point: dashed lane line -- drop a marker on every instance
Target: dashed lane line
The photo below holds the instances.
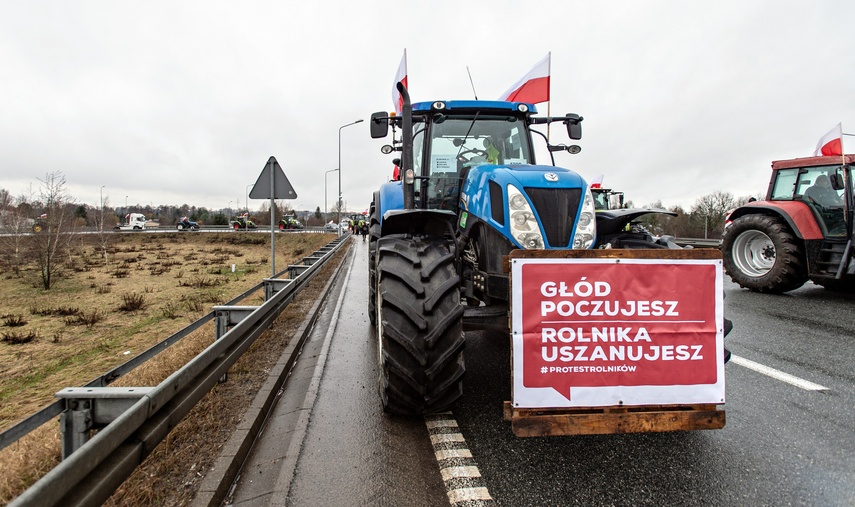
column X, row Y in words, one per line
column 463, row 482
column 777, row 374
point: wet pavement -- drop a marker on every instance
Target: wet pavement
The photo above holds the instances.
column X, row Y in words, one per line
column 335, row 446
column 782, row 445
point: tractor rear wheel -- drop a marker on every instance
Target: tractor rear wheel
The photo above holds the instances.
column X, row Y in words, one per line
column 420, row 325
column 763, row 255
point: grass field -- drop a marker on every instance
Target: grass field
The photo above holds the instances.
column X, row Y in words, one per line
column 98, row 315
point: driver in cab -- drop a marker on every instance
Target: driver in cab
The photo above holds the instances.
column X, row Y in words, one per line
column 821, row 193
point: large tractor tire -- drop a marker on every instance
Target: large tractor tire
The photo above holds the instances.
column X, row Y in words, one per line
column 420, row 325
column 762, row 254
column 373, row 236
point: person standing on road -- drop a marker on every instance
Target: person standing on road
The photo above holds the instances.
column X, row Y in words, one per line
column 363, row 228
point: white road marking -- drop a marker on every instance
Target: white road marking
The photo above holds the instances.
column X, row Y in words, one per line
column 441, row 438
column 469, row 495
column 777, row 374
column 458, row 468
column 453, row 453
column 441, row 423
column 458, row 472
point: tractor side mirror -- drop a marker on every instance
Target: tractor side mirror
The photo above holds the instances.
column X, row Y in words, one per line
column 836, row 181
column 379, row 125
column 574, row 125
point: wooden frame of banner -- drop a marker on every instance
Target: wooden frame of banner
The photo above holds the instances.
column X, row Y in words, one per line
column 541, row 422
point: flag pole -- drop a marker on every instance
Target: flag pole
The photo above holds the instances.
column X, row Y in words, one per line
column 847, row 206
column 549, row 95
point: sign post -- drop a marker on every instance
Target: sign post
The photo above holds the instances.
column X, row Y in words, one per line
column 273, row 184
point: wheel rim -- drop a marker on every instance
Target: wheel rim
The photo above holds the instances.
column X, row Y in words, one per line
column 754, row 253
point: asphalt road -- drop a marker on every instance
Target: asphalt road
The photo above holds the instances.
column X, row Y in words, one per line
column 782, row 445
column 786, row 442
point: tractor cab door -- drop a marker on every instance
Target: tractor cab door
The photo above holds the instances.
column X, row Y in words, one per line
column 813, row 185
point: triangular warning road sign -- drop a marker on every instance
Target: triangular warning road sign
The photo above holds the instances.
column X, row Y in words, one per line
column 281, row 189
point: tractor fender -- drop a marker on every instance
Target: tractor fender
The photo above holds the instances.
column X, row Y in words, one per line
column 797, row 214
column 431, row 222
column 389, row 197
column 615, row 220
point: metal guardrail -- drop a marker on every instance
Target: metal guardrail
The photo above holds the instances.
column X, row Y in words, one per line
column 88, row 475
column 699, row 243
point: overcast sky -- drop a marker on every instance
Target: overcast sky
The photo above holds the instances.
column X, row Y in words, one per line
column 184, row 101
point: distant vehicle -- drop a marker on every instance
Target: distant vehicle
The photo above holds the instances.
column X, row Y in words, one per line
column 242, row 222
column 187, row 225
column 331, row 227
column 40, row 223
column 133, row 222
column 289, row 222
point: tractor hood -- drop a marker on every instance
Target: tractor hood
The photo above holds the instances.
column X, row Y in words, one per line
column 530, row 176
column 616, row 220
column 553, row 204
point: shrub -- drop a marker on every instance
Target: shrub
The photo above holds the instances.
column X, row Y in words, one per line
column 88, row 319
column 15, row 320
column 132, row 302
column 16, row 338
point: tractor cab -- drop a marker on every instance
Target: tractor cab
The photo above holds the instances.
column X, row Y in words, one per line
column 802, row 230
column 821, row 187
column 446, row 147
column 449, row 138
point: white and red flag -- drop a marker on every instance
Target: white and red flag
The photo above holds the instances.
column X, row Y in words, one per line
column 400, row 77
column 534, row 86
column 831, row 143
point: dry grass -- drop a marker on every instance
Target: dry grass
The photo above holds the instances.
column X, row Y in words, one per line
column 66, row 354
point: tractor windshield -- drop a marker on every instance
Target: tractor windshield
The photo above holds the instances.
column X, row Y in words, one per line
column 456, row 144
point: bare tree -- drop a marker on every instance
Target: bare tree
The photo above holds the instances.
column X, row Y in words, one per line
column 105, row 233
column 15, row 222
column 52, row 242
column 711, row 210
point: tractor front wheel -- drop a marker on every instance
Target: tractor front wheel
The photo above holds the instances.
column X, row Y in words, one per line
column 420, row 325
column 373, row 236
column 762, row 254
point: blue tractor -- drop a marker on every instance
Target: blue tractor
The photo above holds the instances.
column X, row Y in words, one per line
column 469, row 193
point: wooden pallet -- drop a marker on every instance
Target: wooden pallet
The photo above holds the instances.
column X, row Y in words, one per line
column 542, row 422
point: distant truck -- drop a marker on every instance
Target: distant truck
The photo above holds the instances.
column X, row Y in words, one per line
column 133, row 222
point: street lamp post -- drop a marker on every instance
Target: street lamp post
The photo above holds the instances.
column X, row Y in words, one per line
column 247, row 198
column 326, row 210
column 339, row 171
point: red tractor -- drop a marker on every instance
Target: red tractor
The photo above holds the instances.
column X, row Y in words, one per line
column 802, row 230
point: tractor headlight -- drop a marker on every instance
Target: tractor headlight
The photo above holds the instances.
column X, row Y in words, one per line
column 524, row 226
column 586, row 226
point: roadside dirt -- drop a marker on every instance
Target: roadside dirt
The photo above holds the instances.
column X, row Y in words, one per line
column 176, row 279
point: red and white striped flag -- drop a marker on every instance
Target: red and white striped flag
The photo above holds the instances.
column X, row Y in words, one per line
column 400, row 77
column 831, row 143
column 534, row 86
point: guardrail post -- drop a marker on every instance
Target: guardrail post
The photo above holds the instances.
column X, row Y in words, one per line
column 274, row 285
column 74, row 424
column 228, row 316
column 89, row 408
